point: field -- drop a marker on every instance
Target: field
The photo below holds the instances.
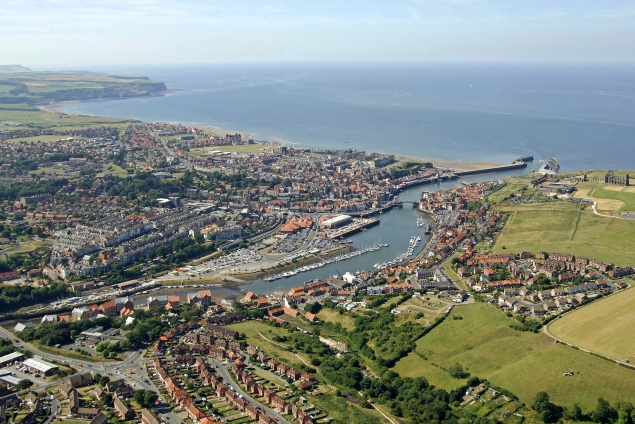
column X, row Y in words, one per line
column 27, row 247
column 23, row 114
column 610, row 199
column 41, row 138
column 333, row 316
column 561, row 227
column 604, row 327
column 522, row 362
column 246, row 148
column 513, row 185
column 253, row 329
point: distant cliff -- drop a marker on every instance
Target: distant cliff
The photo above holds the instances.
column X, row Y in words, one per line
column 13, row 68
column 44, row 87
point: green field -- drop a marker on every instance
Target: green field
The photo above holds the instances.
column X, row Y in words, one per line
column 604, row 327
column 27, row 247
column 252, row 329
column 610, row 199
column 24, row 114
column 333, row 316
column 512, row 185
column 246, row 148
column 522, row 362
column 561, row 227
column 41, row 138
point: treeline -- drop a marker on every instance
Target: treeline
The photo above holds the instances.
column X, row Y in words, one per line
column 149, row 325
column 15, row 191
column 64, row 332
column 604, row 413
column 14, row 296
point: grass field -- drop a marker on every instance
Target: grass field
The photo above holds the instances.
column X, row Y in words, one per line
column 247, row 148
column 513, row 185
column 610, row 199
column 346, row 412
column 115, row 170
column 605, row 326
column 524, row 363
column 23, row 114
column 41, row 138
column 561, row 227
column 27, row 247
column 333, row 316
column 252, row 329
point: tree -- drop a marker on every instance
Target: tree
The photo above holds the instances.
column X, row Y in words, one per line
column 457, row 371
column 24, row 384
column 548, row 412
column 150, row 399
column 313, row 308
column 103, row 380
column 107, row 399
column 574, row 414
column 603, row 413
column 139, row 396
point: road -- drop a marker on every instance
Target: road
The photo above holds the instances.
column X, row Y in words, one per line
column 115, row 369
column 225, row 374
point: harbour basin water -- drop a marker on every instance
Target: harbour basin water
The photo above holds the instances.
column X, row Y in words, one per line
column 396, row 228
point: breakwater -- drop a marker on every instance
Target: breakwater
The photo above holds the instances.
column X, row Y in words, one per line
column 517, row 165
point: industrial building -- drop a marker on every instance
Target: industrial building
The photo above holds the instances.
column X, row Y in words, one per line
column 11, row 357
column 338, row 221
column 38, row 365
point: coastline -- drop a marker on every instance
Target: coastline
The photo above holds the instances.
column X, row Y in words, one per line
column 458, row 165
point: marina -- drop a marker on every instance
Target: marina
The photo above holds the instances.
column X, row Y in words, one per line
column 396, row 228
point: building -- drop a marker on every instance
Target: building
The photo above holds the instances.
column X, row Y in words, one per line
column 21, row 326
column 147, row 417
column 11, row 357
column 336, row 222
column 40, row 366
column 100, row 419
column 81, row 380
column 122, row 409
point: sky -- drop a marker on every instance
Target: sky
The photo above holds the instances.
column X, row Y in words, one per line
column 119, row 32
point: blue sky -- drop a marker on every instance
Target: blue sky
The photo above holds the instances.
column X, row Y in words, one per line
column 87, row 32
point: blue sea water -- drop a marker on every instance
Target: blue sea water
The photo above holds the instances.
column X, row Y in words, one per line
column 584, row 116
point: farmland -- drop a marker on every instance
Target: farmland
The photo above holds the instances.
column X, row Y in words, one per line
column 525, row 363
column 604, row 327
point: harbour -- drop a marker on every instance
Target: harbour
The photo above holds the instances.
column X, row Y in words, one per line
column 395, row 229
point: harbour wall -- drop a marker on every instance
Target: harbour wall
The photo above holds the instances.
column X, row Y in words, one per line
column 518, row 165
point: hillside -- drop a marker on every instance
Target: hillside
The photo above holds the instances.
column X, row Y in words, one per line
column 523, row 362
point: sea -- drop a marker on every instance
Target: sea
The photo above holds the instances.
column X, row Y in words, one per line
column 584, row 116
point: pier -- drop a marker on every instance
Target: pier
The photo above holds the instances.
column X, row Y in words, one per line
column 353, row 228
column 515, row 165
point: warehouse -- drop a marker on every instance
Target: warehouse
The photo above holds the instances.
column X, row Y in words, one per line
column 40, row 366
column 8, row 359
column 337, row 222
